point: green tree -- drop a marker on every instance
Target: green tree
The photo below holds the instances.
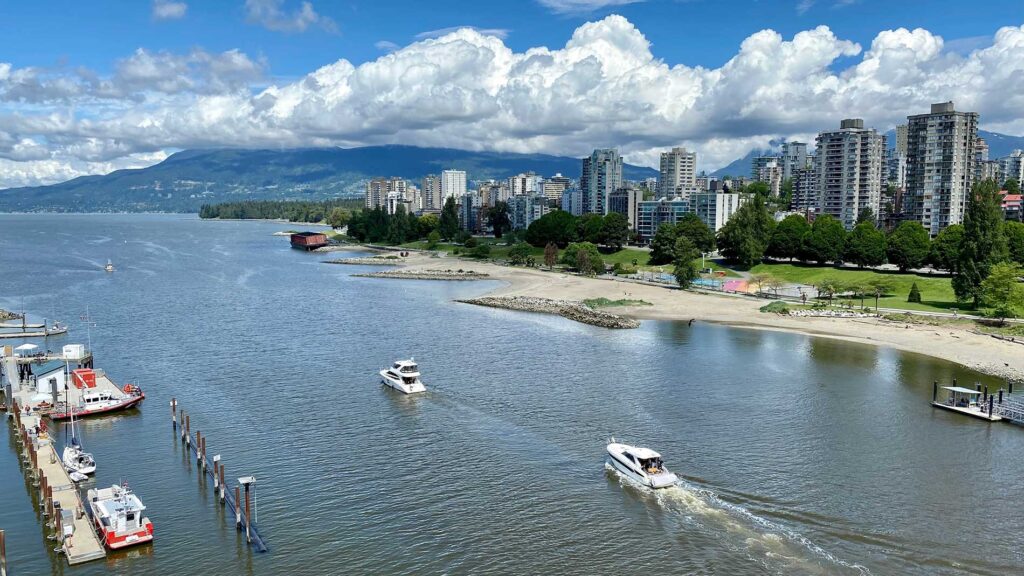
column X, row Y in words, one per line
column 944, row 253
column 448, row 225
column 866, row 245
column 550, row 255
column 557, row 226
column 614, row 230
column 745, row 236
column 1002, row 292
column 498, row 218
column 828, row 287
column 663, row 244
column 519, row 253
column 338, row 217
column 1015, row 240
column 825, row 241
column 879, row 286
column 700, row 235
column 684, row 267
column 433, row 239
column 471, row 242
column 984, row 242
column 908, row 245
column 915, row 294
column 589, row 263
column 481, row 251
column 1012, row 186
column 426, row 224
column 588, row 228
column 787, row 237
column 786, row 194
column 866, row 214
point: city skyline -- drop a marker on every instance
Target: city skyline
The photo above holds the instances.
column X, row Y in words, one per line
column 590, row 75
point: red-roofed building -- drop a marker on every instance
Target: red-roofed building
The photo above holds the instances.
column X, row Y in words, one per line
column 1012, row 205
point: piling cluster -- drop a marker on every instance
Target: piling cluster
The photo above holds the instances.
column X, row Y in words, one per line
column 182, row 424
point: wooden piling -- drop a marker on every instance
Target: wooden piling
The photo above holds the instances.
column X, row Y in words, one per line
column 202, row 460
column 216, row 478
column 199, row 446
column 238, row 509
column 188, row 430
column 222, row 488
column 935, row 390
column 248, row 516
column 3, row 554
column 174, row 413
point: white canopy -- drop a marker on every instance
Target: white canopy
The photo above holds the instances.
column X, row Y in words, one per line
column 26, row 347
column 961, row 390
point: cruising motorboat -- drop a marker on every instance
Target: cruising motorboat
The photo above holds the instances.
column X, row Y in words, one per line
column 109, row 267
column 641, row 465
column 403, row 376
column 117, row 514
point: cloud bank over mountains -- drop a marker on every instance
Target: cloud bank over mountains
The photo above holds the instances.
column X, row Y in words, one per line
column 467, row 89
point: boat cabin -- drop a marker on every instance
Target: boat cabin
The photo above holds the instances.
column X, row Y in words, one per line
column 649, row 460
column 119, row 510
column 96, row 398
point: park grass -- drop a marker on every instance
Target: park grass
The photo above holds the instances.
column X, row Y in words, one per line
column 936, row 291
column 606, row 303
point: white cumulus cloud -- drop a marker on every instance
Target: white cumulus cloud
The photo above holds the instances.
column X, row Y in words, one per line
column 271, row 15
column 465, row 89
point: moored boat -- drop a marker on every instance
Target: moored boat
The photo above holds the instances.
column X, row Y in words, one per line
column 74, row 458
column 641, row 465
column 97, row 402
column 117, row 514
column 403, row 376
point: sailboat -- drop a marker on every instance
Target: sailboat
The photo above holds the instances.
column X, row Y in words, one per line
column 77, row 461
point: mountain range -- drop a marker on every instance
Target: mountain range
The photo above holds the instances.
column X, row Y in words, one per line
column 188, row 179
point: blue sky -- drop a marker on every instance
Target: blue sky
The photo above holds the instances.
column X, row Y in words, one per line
column 89, row 87
column 692, row 32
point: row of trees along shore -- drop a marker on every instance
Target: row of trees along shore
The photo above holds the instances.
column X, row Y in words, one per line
column 971, row 252
column 290, row 210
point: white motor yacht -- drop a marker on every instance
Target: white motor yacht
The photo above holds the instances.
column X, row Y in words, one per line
column 403, row 376
column 641, row 465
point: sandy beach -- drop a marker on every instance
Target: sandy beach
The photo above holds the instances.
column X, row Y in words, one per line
column 979, row 352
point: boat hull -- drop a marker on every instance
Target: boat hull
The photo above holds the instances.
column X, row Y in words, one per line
column 401, row 386
column 115, row 541
column 664, row 479
column 125, row 404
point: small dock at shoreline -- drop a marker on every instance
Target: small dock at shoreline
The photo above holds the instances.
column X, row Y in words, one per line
column 999, row 406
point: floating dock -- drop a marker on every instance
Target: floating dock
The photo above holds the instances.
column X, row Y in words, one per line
column 63, row 507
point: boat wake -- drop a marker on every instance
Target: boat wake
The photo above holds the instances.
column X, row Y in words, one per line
column 777, row 548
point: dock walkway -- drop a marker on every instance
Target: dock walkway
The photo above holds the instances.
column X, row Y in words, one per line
column 44, row 466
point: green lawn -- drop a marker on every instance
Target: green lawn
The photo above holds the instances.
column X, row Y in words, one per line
column 936, row 292
column 606, row 303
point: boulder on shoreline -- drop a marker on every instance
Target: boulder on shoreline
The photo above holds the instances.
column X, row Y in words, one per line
column 571, row 309
column 427, row 275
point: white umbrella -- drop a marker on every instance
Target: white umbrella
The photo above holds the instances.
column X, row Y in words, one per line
column 26, row 347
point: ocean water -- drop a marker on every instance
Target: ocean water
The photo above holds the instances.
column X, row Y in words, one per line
column 798, row 455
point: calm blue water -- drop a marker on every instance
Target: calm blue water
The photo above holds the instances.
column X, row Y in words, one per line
column 800, row 455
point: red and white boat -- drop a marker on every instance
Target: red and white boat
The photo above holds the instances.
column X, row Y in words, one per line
column 95, row 399
column 117, row 514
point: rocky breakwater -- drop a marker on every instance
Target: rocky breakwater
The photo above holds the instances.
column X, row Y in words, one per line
column 427, row 275
column 571, row 309
column 5, row 315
